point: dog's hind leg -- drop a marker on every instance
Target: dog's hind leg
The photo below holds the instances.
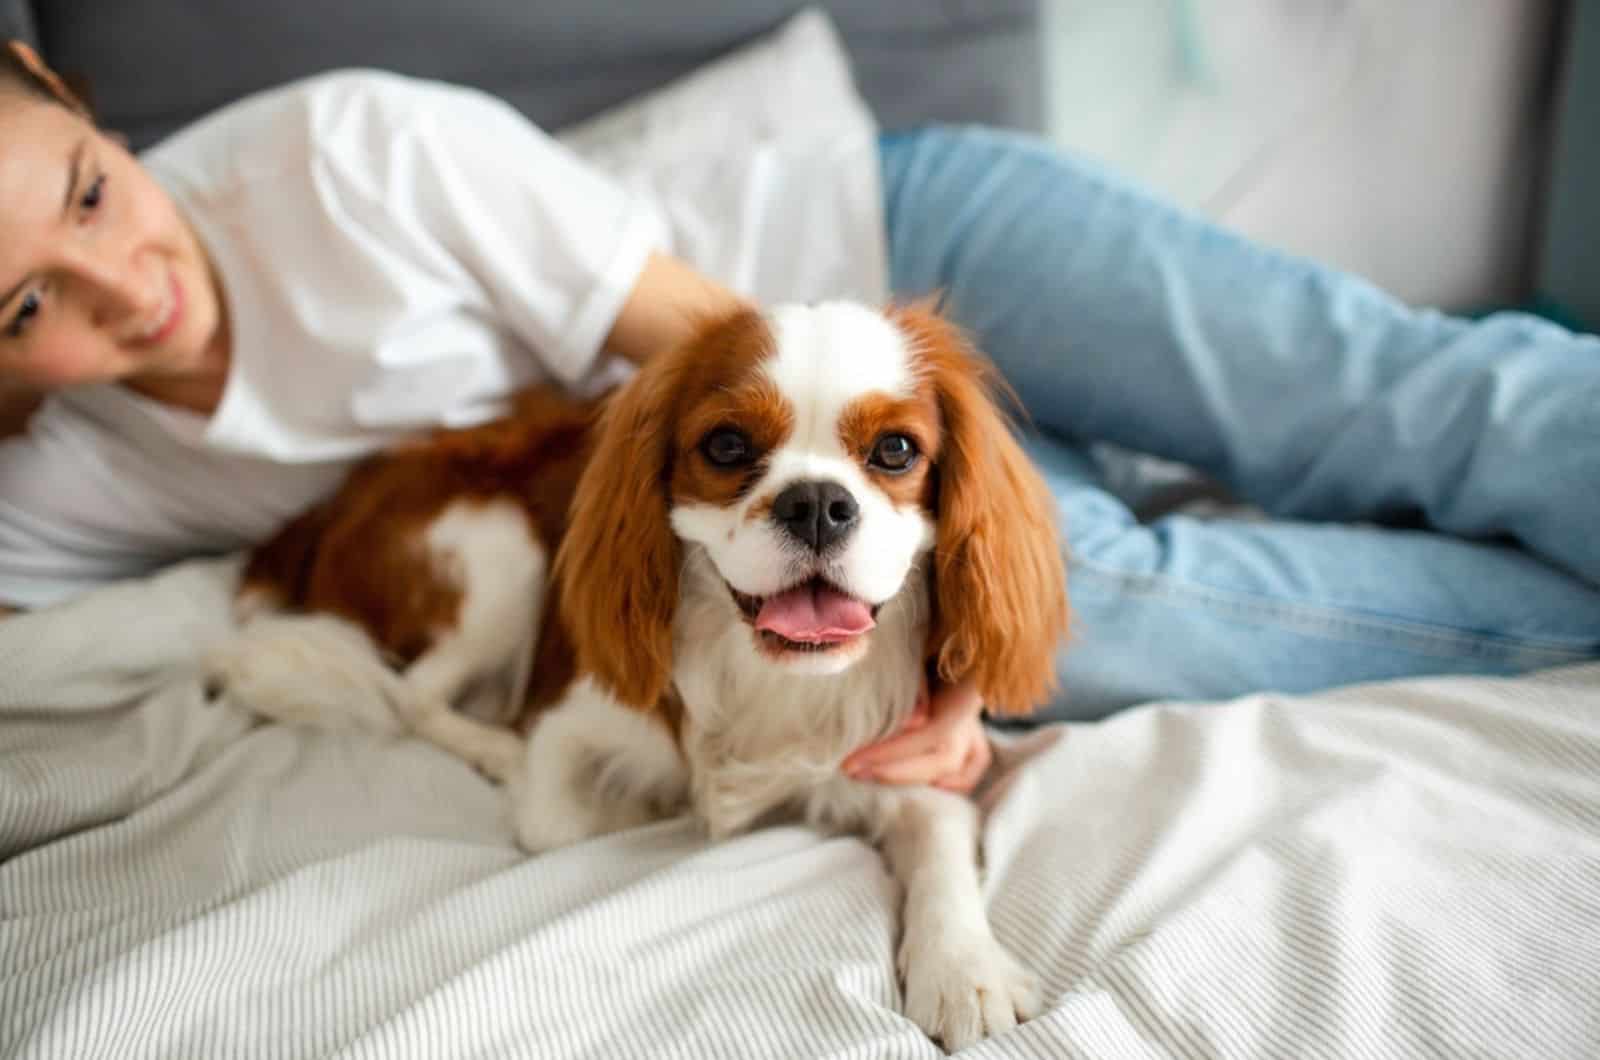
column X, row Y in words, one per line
column 501, row 569
column 595, row 766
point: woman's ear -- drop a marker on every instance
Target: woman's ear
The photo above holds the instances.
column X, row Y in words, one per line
column 1000, row 599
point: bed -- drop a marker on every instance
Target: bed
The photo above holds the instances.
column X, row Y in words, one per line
column 1401, row 869
column 1404, row 869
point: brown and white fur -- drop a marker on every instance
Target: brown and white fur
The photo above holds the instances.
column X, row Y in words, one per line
column 608, row 565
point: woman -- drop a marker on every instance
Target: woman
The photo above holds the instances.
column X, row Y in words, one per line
column 229, row 322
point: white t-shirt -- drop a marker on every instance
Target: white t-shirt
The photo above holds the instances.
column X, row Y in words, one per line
column 400, row 254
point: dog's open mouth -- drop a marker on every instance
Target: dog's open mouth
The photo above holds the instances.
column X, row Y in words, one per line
column 813, row 616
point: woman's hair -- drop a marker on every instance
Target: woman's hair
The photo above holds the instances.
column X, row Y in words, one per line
column 21, row 70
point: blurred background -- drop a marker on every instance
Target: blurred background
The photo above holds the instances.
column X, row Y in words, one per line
column 1448, row 150
column 1409, row 141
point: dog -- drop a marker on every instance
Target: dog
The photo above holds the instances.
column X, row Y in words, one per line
column 705, row 588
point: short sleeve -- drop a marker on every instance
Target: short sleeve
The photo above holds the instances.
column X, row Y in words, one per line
column 556, row 244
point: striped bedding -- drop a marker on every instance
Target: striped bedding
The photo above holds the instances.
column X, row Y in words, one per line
column 1401, row 870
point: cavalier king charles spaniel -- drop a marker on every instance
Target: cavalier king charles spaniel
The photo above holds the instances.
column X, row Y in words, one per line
column 699, row 593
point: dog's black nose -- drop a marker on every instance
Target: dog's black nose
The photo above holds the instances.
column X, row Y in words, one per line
column 818, row 514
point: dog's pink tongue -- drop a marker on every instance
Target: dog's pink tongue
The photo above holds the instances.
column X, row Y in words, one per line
column 814, row 613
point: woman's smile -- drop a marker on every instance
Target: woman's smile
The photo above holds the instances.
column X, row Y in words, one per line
column 107, row 281
column 160, row 325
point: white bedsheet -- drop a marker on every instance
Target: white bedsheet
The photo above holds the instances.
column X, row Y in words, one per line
column 1397, row 870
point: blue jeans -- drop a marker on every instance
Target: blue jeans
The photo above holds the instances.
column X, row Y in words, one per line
column 1432, row 483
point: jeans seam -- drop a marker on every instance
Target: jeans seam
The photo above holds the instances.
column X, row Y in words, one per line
column 1330, row 620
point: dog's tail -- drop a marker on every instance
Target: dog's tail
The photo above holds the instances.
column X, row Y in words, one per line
column 314, row 670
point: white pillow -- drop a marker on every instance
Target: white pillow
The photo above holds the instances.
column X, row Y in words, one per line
column 764, row 164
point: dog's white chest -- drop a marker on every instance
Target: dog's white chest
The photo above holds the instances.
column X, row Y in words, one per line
column 759, row 743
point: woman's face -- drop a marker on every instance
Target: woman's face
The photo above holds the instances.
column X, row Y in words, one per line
column 101, row 278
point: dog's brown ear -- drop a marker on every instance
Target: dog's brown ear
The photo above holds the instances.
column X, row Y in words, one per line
column 617, row 567
column 1000, row 599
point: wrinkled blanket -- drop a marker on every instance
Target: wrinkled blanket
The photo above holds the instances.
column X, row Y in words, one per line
column 1407, row 869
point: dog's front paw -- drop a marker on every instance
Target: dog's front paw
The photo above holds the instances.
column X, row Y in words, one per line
column 961, row 991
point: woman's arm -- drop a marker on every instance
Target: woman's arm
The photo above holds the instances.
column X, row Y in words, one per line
column 668, row 304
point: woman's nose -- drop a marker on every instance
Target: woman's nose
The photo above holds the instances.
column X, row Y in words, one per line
column 119, row 287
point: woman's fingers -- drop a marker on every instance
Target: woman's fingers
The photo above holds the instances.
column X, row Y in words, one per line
column 926, row 757
column 906, row 743
column 971, row 771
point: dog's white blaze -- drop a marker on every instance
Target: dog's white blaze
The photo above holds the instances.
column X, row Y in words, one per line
column 829, row 355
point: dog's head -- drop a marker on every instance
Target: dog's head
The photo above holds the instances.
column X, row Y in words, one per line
column 821, row 457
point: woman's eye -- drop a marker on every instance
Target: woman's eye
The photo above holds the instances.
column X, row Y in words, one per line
column 25, row 313
column 92, row 195
column 726, row 447
column 894, row 452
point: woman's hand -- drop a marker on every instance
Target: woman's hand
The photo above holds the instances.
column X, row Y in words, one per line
column 942, row 744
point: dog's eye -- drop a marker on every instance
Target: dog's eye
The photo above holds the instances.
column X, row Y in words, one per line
column 893, row 452
column 726, row 447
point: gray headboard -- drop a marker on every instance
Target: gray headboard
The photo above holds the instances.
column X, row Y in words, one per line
column 1568, row 280
column 152, row 65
